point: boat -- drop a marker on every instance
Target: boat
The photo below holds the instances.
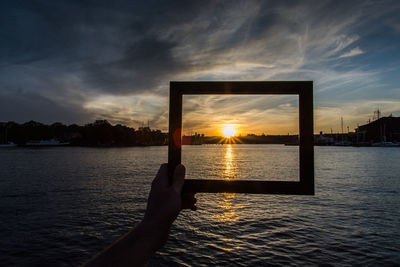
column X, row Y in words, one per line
column 10, row 144
column 386, row 144
column 51, row 142
column 292, row 144
column 342, row 143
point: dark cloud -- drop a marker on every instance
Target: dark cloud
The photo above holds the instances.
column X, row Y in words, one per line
column 116, row 48
column 141, row 67
column 22, row 106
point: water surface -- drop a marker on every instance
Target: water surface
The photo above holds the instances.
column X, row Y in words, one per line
column 59, row 206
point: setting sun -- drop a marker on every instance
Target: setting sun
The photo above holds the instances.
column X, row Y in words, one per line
column 228, row 131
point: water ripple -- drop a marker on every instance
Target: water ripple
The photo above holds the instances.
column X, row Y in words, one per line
column 61, row 216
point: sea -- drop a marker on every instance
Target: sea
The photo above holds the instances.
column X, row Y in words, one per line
column 61, row 205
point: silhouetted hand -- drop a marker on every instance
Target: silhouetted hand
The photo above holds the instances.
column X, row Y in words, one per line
column 166, row 199
column 163, row 206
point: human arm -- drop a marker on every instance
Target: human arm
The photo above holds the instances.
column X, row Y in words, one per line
column 163, row 206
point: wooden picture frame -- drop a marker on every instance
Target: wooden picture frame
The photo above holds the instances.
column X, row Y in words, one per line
column 304, row 89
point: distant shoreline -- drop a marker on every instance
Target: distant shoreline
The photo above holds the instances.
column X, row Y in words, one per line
column 383, row 132
column 132, row 146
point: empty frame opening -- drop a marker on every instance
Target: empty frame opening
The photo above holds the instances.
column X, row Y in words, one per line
column 241, row 137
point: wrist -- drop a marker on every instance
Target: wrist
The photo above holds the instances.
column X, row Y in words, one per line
column 159, row 223
column 156, row 234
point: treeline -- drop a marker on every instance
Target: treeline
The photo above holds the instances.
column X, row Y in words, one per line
column 98, row 133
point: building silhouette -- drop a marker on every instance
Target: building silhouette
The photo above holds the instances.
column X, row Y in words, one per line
column 385, row 129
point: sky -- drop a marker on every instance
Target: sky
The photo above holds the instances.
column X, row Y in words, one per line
column 78, row 61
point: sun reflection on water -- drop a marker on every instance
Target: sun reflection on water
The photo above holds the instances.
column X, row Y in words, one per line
column 225, row 201
column 230, row 170
column 227, row 207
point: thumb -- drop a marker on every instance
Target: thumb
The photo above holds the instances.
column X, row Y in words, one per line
column 178, row 178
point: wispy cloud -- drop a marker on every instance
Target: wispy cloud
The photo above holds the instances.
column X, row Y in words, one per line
column 353, row 52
